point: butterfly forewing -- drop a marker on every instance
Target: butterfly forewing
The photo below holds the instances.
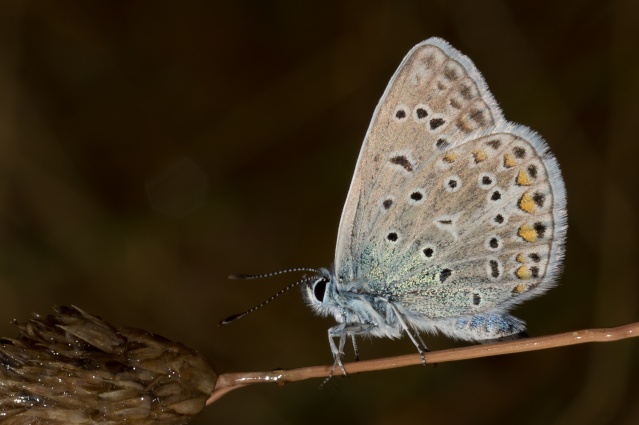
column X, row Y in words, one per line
column 433, row 102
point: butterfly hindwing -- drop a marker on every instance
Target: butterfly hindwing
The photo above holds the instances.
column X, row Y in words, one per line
column 484, row 234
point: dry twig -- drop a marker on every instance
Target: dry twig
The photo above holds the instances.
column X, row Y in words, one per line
column 230, row 381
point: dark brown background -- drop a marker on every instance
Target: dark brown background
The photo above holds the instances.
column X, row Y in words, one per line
column 149, row 148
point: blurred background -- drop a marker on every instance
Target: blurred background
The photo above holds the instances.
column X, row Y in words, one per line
column 150, row 148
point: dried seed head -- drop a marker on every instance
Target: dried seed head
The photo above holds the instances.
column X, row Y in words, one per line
column 74, row 368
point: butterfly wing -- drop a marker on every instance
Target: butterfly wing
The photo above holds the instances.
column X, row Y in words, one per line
column 450, row 204
column 436, row 99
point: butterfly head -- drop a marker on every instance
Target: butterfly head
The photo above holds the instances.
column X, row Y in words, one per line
column 321, row 294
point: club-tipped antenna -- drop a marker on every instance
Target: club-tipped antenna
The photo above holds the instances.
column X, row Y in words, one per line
column 237, row 316
column 244, row 276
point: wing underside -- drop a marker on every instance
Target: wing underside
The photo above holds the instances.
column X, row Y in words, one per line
column 450, row 204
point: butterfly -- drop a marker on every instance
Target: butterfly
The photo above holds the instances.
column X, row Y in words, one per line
column 454, row 214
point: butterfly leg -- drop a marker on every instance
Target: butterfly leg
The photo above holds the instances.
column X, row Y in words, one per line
column 417, row 339
column 338, row 353
column 355, row 349
column 342, row 331
column 425, row 348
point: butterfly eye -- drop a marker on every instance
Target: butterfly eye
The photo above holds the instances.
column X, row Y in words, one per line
column 319, row 289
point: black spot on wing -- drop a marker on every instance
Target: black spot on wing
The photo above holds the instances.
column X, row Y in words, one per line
column 445, row 274
column 403, row 162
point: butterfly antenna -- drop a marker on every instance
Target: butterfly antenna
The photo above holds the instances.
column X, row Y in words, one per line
column 243, row 276
column 234, row 317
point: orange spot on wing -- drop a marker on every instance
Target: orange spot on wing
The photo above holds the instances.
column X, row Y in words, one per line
column 523, row 273
column 527, row 204
column 509, row 161
column 450, row 157
column 528, row 233
column 523, row 179
column 519, row 288
column 480, row 155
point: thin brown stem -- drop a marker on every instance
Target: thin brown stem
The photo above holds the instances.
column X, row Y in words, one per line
column 229, row 381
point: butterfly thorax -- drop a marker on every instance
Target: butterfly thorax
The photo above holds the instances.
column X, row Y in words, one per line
column 328, row 296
